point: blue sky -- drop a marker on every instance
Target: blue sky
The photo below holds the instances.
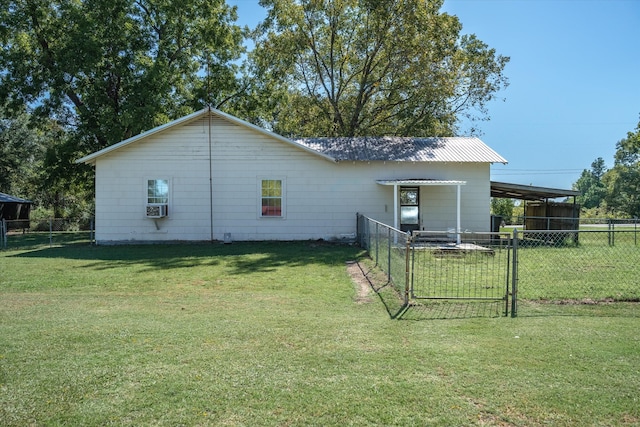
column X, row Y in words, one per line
column 574, row 81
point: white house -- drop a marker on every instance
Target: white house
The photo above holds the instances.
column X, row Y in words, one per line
column 210, row 176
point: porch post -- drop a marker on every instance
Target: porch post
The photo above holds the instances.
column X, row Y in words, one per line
column 458, row 216
column 396, row 213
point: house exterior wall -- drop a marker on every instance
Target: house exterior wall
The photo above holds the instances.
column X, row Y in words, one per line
column 321, row 197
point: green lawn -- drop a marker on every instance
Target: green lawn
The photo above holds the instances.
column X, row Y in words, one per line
column 275, row 334
column 599, row 266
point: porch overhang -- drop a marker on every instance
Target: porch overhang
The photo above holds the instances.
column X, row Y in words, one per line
column 396, row 183
column 419, row 182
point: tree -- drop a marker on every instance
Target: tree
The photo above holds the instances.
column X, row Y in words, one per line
column 502, row 207
column 371, row 67
column 623, row 180
column 35, row 158
column 21, row 150
column 592, row 188
column 95, row 72
column 108, row 70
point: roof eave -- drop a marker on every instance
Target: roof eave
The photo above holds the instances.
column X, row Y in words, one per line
column 90, row 159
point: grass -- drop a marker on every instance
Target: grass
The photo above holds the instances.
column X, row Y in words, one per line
column 461, row 274
column 19, row 240
column 601, row 266
column 274, row 334
column 552, row 266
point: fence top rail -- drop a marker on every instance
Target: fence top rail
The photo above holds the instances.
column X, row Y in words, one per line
column 551, row 217
column 383, row 224
column 581, row 231
column 465, row 232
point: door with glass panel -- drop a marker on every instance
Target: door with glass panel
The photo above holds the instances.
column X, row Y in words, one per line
column 409, row 209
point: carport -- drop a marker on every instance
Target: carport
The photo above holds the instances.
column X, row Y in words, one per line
column 539, row 208
column 14, row 208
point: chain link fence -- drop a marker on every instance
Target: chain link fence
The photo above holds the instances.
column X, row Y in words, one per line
column 389, row 248
column 554, row 223
column 585, row 265
column 461, row 266
column 591, row 265
column 20, row 234
column 440, row 267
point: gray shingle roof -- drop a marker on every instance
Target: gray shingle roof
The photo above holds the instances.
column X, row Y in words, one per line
column 404, row 149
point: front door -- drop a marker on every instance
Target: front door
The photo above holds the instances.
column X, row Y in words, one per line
column 409, row 209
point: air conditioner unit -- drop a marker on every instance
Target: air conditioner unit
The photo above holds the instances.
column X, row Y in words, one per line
column 156, row 211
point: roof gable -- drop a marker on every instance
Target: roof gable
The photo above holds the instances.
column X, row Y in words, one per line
column 91, row 158
column 405, row 149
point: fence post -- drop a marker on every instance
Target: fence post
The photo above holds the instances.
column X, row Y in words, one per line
column 407, row 271
column 389, row 252
column 50, row 232
column 611, row 232
column 3, row 233
column 377, row 244
column 514, row 275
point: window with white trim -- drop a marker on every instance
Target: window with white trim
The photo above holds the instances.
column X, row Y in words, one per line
column 157, row 191
column 271, row 198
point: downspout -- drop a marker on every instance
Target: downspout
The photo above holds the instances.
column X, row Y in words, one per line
column 210, row 175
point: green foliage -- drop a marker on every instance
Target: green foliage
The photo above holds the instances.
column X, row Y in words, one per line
column 591, row 186
column 503, row 207
column 601, row 211
column 37, row 162
column 349, row 67
column 623, row 180
column 614, row 192
column 93, row 73
column 115, row 68
column 21, row 150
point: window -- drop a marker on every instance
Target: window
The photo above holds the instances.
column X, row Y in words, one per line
column 158, row 191
column 271, row 197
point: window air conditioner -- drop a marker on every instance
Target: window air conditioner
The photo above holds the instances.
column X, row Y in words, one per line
column 156, row 211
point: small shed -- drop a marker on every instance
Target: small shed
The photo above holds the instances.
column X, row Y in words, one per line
column 541, row 211
column 15, row 209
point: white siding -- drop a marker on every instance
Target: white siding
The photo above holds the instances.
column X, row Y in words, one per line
column 321, row 198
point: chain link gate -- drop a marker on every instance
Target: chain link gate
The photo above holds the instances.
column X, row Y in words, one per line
column 476, row 269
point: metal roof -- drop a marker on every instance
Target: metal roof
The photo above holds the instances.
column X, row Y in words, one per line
column 404, row 149
column 5, row 198
column 528, row 192
column 389, row 148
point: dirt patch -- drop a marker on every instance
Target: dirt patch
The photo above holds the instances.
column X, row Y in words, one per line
column 364, row 292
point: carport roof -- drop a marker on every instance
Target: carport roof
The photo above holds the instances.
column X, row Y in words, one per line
column 528, row 192
column 5, row 198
